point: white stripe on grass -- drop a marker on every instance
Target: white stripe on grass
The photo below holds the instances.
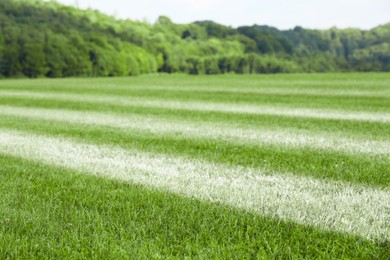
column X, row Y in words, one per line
column 235, row 108
column 285, row 87
column 276, row 90
column 216, row 130
column 329, row 205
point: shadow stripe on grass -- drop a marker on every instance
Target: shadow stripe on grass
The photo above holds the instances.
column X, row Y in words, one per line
column 223, row 131
column 321, row 113
column 329, row 205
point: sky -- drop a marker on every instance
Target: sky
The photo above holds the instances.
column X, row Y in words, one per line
column 283, row 14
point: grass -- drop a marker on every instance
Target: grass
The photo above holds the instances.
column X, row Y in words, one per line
column 304, row 161
column 48, row 211
column 328, row 205
column 355, row 127
column 352, row 103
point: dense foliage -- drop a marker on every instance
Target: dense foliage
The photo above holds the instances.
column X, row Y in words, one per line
column 39, row 38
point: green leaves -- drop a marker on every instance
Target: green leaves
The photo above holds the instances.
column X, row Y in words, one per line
column 40, row 38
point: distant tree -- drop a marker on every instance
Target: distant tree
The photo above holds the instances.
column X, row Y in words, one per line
column 211, row 65
column 33, row 60
column 9, row 64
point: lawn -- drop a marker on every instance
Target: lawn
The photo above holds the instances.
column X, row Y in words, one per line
column 170, row 166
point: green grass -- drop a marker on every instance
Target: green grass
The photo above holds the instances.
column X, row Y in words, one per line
column 305, row 161
column 374, row 130
column 52, row 212
column 356, row 103
column 49, row 212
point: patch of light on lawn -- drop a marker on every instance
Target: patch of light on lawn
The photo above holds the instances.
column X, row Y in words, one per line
column 223, row 131
column 330, row 205
column 234, row 108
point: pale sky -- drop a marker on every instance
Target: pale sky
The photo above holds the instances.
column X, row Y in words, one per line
column 283, row 14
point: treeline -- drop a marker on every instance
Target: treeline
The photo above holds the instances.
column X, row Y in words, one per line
column 39, row 38
column 47, row 39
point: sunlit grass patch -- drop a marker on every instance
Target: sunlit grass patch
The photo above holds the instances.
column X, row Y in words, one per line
column 329, row 205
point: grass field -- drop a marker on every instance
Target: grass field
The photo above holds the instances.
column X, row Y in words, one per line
column 172, row 166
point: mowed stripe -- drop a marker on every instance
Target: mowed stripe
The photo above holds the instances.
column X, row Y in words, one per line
column 217, row 130
column 329, row 205
column 376, row 86
column 234, row 108
column 275, row 90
